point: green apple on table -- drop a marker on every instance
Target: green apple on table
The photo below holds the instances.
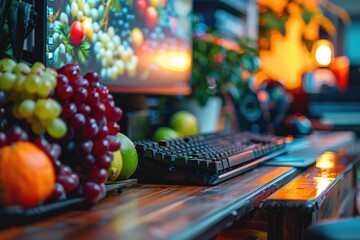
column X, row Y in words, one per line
column 184, row 123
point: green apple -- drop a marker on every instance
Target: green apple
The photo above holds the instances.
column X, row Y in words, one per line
column 129, row 157
column 165, row 133
column 184, row 123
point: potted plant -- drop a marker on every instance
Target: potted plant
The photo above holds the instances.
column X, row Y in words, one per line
column 17, row 20
column 220, row 67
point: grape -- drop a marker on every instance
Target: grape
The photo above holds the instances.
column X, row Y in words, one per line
column 31, row 83
column 3, row 99
column 37, row 127
column 89, row 161
column 57, row 129
column 98, row 175
column 98, row 110
column 104, row 161
column 103, row 132
column 86, row 146
column 69, row 182
column 90, row 130
column 42, row 108
column 114, row 128
column 78, row 121
column 84, row 109
column 15, row 134
column 92, row 77
column 114, row 143
column 62, row 80
column 91, row 190
column 44, row 145
column 115, row 114
column 26, row 108
column 80, row 95
column 71, row 70
column 7, row 80
column 45, row 88
column 81, row 82
column 58, row 192
column 74, row 9
column 54, row 108
column 38, row 65
column 7, row 65
column 21, row 68
column 68, row 110
column 3, row 140
column 64, row 92
column 55, row 151
column 100, row 147
column 94, row 98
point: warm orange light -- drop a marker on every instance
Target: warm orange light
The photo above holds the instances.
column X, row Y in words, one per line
column 324, row 52
column 340, row 67
column 326, row 160
column 174, row 61
column 321, row 183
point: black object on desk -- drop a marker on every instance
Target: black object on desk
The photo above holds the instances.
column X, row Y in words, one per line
column 205, row 159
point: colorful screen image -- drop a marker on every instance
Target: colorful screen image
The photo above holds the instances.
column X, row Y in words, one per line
column 135, row 45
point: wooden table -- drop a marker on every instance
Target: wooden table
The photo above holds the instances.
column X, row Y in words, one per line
column 147, row 211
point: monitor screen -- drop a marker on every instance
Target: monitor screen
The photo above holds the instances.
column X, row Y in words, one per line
column 137, row 46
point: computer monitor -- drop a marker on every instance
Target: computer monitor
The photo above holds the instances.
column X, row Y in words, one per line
column 142, row 46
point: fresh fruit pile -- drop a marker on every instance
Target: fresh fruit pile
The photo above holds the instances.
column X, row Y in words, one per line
column 71, row 118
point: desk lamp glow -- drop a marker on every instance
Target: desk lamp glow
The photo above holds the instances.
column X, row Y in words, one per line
column 324, row 52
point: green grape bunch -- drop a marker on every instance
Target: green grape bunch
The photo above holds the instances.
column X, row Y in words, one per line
column 29, row 89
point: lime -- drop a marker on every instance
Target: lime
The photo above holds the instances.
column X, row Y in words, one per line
column 184, row 123
column 115, row 167
column 129, row 157
column 164, row 133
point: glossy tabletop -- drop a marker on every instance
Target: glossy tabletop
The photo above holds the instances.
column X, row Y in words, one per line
column 146, row 211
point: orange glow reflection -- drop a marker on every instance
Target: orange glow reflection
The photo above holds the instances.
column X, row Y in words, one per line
column 326, row 160
column 324, row 52
column 321, row 183
column 174, row 61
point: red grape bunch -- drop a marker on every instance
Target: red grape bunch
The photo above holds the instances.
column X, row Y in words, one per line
column 91, row 116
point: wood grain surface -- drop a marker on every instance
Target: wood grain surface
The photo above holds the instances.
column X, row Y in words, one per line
column 146, row 211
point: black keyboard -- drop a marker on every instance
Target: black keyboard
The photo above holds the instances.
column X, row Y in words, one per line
column 205, row 159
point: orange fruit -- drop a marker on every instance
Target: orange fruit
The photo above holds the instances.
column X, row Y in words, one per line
column 27, row 176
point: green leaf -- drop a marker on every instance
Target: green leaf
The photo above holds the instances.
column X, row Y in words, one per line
column 5, row 38
column 307, row 16
column 4, row 11
column 273, row 21
column 84, row 50
column 81, row 57
column 116, row 5
column 70, row 49
column 18, row 19
column 308, row 44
